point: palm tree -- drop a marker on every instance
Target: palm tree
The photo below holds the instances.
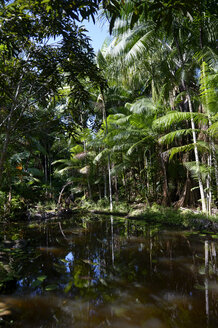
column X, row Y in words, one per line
column 180, row 46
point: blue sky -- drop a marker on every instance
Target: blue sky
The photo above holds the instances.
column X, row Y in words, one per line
column 97, row 33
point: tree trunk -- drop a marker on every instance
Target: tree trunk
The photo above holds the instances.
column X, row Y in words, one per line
column 188, row 197
column 105, row 184
column 212, row 154
column 209, row 194
column 116, row 188
column 166, row 198
column 109, row 164
column 3, row 153
column 110, row 184
column 200, row 182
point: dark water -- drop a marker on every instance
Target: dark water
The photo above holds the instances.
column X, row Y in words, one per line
column 107, row 272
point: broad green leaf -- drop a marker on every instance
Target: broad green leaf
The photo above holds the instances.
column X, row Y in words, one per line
column 51, row 287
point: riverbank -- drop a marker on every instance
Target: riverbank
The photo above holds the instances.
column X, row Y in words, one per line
column 183, row 218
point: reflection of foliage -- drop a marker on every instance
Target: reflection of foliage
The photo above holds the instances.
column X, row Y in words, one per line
column 10, row 267
column 80, row 275
column 81, row 268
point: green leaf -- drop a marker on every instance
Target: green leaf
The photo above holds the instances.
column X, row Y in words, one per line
column 90, row 262
column 41, row 278
column 215, row 236
column 36, row 283
column 51, row 287
column 68, row 287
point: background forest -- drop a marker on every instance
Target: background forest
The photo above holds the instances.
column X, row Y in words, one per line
column 138, row 122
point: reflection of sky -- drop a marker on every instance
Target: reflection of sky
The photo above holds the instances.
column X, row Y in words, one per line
column 21, row 283
column 69, row 258
column 97, row 269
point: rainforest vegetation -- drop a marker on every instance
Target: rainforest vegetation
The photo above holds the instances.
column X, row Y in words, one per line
column 108, row 164
column 135, row 123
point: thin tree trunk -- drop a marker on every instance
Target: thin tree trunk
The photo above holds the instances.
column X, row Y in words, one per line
column 46, row 174
column 109, row 165
column 147, row 177
column 99, row 191
column 45, row 169
column 211, row 142
column 88, row 180
column 50, row 178
column 200, row 182
column 165, row 200
column 209, row 194
column 110, row 184
column 105, row 185
column 116, row 188
column 3, row 153
column 62, row 190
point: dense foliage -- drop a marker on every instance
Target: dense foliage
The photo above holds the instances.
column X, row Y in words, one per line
column 149, row 134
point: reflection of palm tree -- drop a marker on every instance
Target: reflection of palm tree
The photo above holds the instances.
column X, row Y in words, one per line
column 206, row 248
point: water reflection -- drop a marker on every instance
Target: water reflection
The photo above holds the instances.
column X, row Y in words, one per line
column 112, row 273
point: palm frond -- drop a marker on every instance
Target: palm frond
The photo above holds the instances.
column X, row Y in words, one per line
column 128, row 134
column 175, row 150
column 102, row 64
column 63, row 171
column 141, row 106
column 121, row 147
column 174, row 117
column 169, row 137
column 209, row 94
column 118, row 169
column 101, row 155
column 132, row 148
column 123, row 119
column 202, row 169
column 213, row 130
column 201, row 146
column 62, row 161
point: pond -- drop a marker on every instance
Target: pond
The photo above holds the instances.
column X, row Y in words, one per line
column 106, row 272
